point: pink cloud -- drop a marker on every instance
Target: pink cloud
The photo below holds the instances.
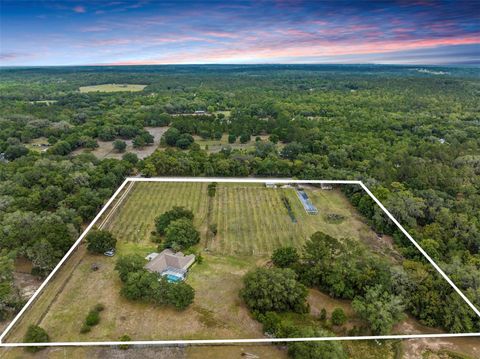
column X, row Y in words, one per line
column 79, row 9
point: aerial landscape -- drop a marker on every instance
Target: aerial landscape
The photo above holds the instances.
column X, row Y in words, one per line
column 234, row 177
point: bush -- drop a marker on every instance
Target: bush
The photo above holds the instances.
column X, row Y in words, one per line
column 93, row 318
column 212, row 189
column 100, row 241
column 323, row 314
column 274, row 289
column 285, row 257
column 162, row 221
column 35, row 334
column 232, row 138
column 338, row 316
column 124, row 338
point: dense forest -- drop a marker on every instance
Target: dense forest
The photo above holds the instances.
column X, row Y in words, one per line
column 411, row 134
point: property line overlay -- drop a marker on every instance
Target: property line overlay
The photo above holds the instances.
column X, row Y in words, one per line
column 131, row 180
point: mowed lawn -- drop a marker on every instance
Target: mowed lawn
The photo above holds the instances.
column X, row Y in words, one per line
column 252, row 219
column 112, row 88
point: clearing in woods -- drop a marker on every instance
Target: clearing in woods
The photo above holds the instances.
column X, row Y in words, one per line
column 112, row 88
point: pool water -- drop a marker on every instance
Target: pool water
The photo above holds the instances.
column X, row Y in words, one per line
column 173, row 278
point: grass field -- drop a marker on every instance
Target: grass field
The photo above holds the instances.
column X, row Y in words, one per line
column 217, row 145
column 252, row 220
column 112, row 88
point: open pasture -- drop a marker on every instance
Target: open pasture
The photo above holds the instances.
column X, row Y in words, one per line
column 112, row 88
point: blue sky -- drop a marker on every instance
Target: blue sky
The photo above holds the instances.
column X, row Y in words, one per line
column 282, row 31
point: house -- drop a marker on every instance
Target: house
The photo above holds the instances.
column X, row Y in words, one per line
column 326, row 186
column 170, row 264
column 270, row 185
column 200, row 112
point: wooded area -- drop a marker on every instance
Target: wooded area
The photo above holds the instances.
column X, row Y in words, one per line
column 412, row 137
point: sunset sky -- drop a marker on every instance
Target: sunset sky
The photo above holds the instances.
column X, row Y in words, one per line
column 282, row 31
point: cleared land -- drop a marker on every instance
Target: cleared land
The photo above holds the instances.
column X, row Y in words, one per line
column 217, row 145
column 105, row 148
column 112, row 88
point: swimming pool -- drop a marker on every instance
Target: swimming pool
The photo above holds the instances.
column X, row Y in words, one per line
column 174, row 278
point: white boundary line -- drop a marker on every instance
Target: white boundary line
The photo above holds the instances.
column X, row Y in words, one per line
column 235, row 341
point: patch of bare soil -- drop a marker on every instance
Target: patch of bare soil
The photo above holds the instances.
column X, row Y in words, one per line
column 26, row 283
column 436, row 347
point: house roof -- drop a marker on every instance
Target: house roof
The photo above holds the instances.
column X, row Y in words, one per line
column 168, row 258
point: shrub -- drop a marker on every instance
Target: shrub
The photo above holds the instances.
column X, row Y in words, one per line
column 35, row 334
column 323, row 314
column 212, row 188
column 93, row 318
column 124, row 338
column 338, row 316
column 232, row 138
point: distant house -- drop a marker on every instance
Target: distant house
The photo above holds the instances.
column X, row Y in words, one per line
column 170, row 264
column 200, row 112
column 326, row 186
column 270, row 185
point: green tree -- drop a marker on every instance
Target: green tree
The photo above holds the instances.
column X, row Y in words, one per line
column 130, row 157
column 180, row 295
column 273, row 289
column 162, row 221
column 139, row 142
column 119, row 145
column 232, row 138
column 381, row 309
column 128, row 264
column 181, row 234
column 171, row 136
column 100, row 241
column 285, row 257
column 244, row 138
